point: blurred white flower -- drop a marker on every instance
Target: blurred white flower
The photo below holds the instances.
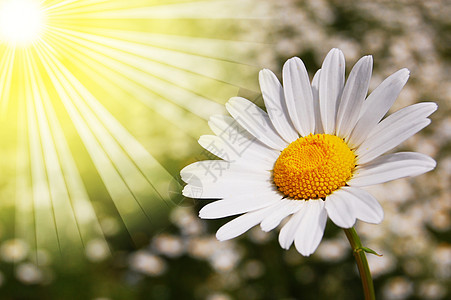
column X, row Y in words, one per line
column 148, row 264
column 29, row 273
column 333, row 250
column 431, row 290
column 14, row 250
column 224, row 259
column 203, row 247
column 381, row 265
column 110, row 226
column 253, row 269
column 219, row 296
column 169, row 245
column 398, row 288
column 442, row 261
column 188, row 223
column 97, row 250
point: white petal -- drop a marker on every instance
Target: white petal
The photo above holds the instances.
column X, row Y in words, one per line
column 200, row 169
column 298, row 94
column 390, row 167
column 395, row 129
column 194, row 191
column 239, row 204
column 255, row 121
column 276, row 107
column 219, row 179
column 311, row 227
column 405, row 115
column 377, row 105
column 365, row 206
column 223, row 187
column 217, row 147
column 217, row 190
column 354, row 93
column 347, row 204
column 388, row 141
column 315, row 93
column 214, row 170
column 288, row 231
column 286, row 208
column 340, row 210
column 242, row 224
column 403, row 122
column 331, row 83
column 252, row 155
column 227, row 126
column 238, row 138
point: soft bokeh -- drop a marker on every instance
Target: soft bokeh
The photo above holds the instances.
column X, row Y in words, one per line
column 152, row 72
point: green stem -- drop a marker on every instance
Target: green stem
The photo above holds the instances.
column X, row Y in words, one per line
column 362, row 263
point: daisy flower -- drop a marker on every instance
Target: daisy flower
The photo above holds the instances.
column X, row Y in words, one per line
column 309, row 155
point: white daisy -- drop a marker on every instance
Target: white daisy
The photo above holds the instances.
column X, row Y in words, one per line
column 309, row 155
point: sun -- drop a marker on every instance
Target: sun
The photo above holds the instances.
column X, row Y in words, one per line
column 21, row 21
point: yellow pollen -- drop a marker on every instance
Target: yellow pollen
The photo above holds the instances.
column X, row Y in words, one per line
column 314, row 166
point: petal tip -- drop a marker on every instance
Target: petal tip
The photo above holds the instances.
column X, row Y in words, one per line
column 186, row 192
column 304, row 252
column 285, row 246
column 185, row 173
column 405, row 72
column 335, row 54
column 433, row 163
column 204, row 213
column 266, row 77
column 232, row 100
column 202, row 138
column 221, row 236
column 369, row 59
column 231, row 103
column 265, row 229
column 283, row 242
column 434, row 106
column 264, row 72
column 294, row 59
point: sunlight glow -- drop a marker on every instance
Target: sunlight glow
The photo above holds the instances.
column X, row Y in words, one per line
column 21, row 21
column 96, row 108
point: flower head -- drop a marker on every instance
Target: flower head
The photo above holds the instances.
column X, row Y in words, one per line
column 310, row 154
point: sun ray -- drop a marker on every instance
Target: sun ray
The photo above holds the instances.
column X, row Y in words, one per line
column 25, row 223
column 217, row 9
column 44, row 214
column 145, row 76
column 6, row 67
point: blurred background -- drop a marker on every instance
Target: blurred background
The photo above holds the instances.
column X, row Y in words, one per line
column 102, row 103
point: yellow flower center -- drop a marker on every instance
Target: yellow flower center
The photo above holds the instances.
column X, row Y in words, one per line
column 314, row 166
